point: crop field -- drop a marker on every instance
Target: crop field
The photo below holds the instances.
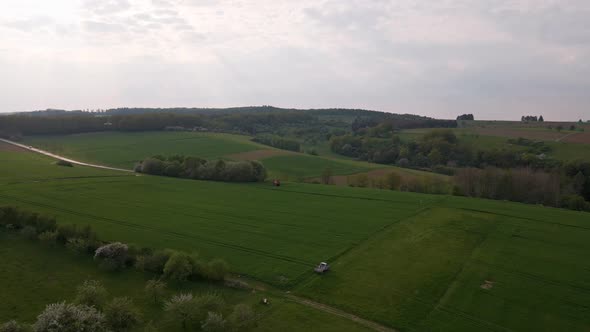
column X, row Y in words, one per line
column 469, row 265
column 275, row 234
column 409, row 261
column 33, row 275
column 125, row 149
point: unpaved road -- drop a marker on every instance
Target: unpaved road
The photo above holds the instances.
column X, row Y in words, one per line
column 367, row 323
column 52, row 155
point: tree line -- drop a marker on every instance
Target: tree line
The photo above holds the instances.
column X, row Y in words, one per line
column 278, row 142
column 531, row 118
column 202, row 169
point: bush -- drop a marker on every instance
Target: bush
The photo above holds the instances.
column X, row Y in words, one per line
column 207, row 303
column 64, row 317
column 155, row 289
column 29, row 232
column 153, row 262
column 237, row 284
column 13, row 326
column 48, row 237
column 179, row 267
column 180, row 308
column 217, row 269
column 121, row 314
column 213, row 323
column 77, row 245
column 242, row 317
column 64, row 163
column 91, row 293
column 112, row 255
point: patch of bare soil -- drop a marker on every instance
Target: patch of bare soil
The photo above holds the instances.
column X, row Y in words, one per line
column 258, row 154
column 10, row 147
column 583, row 138
column 487, row 284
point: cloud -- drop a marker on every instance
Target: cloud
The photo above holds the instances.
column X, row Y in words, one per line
column 102, row 7
column 103, row 27
column 31, row 24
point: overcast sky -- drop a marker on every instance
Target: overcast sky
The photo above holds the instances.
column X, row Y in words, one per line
column 498, row 59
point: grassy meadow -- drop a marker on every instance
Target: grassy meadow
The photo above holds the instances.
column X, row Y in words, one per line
column 34, row 275
column 412, row 262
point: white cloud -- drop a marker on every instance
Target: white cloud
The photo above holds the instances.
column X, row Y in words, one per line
column 496, row 57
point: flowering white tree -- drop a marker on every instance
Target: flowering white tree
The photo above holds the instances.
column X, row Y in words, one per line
column 64, row 317
column 182, row 308
column 112, row 255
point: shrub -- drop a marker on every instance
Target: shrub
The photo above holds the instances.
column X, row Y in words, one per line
column 153, row 262
column 121, row 314
column 180, row 308
column 29, row 232
column 64, row 317
column 213, row 323
column 207, row 303
column 48, row 237
column 77, row 245
column 91, row 293
column 217, row 269
column 12, row 326
column 155, row 289
column 112, row 255
column 237, row 284
column 242, row 317
column 64, row 163
column 179, row 267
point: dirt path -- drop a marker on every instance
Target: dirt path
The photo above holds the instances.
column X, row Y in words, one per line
column 52, row 155
column 319, row 306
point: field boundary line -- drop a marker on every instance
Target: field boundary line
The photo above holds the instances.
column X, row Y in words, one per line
column 55, row 156
column 337, row 312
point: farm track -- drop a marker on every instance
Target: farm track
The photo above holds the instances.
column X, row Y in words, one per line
column 337, row 312
column 52, row 155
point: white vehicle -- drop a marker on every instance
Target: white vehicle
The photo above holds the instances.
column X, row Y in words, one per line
column 323, row 267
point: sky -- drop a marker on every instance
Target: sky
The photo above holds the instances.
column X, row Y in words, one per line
column 497, row 59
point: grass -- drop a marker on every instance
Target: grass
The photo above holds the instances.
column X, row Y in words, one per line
column 435, row 263
column 410, row 261
column 125, row 149
column 274, row 234
column 34, row 275
column 304, row 166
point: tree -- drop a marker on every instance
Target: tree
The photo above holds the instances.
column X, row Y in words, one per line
column 179, row 267
column 541, row 119
column 327, row 175
column 155, row 289
column 121, row 314
column 205, row 303
column 217, row 269
column 213, row 323
column 12, row 326
column 242, row 317
column 393, row 181
column 64, row 317
column 181, row 308
column 112, row 255
column 91, row 293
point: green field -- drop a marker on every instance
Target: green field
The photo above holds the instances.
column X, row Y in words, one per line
column 125, row 149
column 410, row 261
column 33, row 275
